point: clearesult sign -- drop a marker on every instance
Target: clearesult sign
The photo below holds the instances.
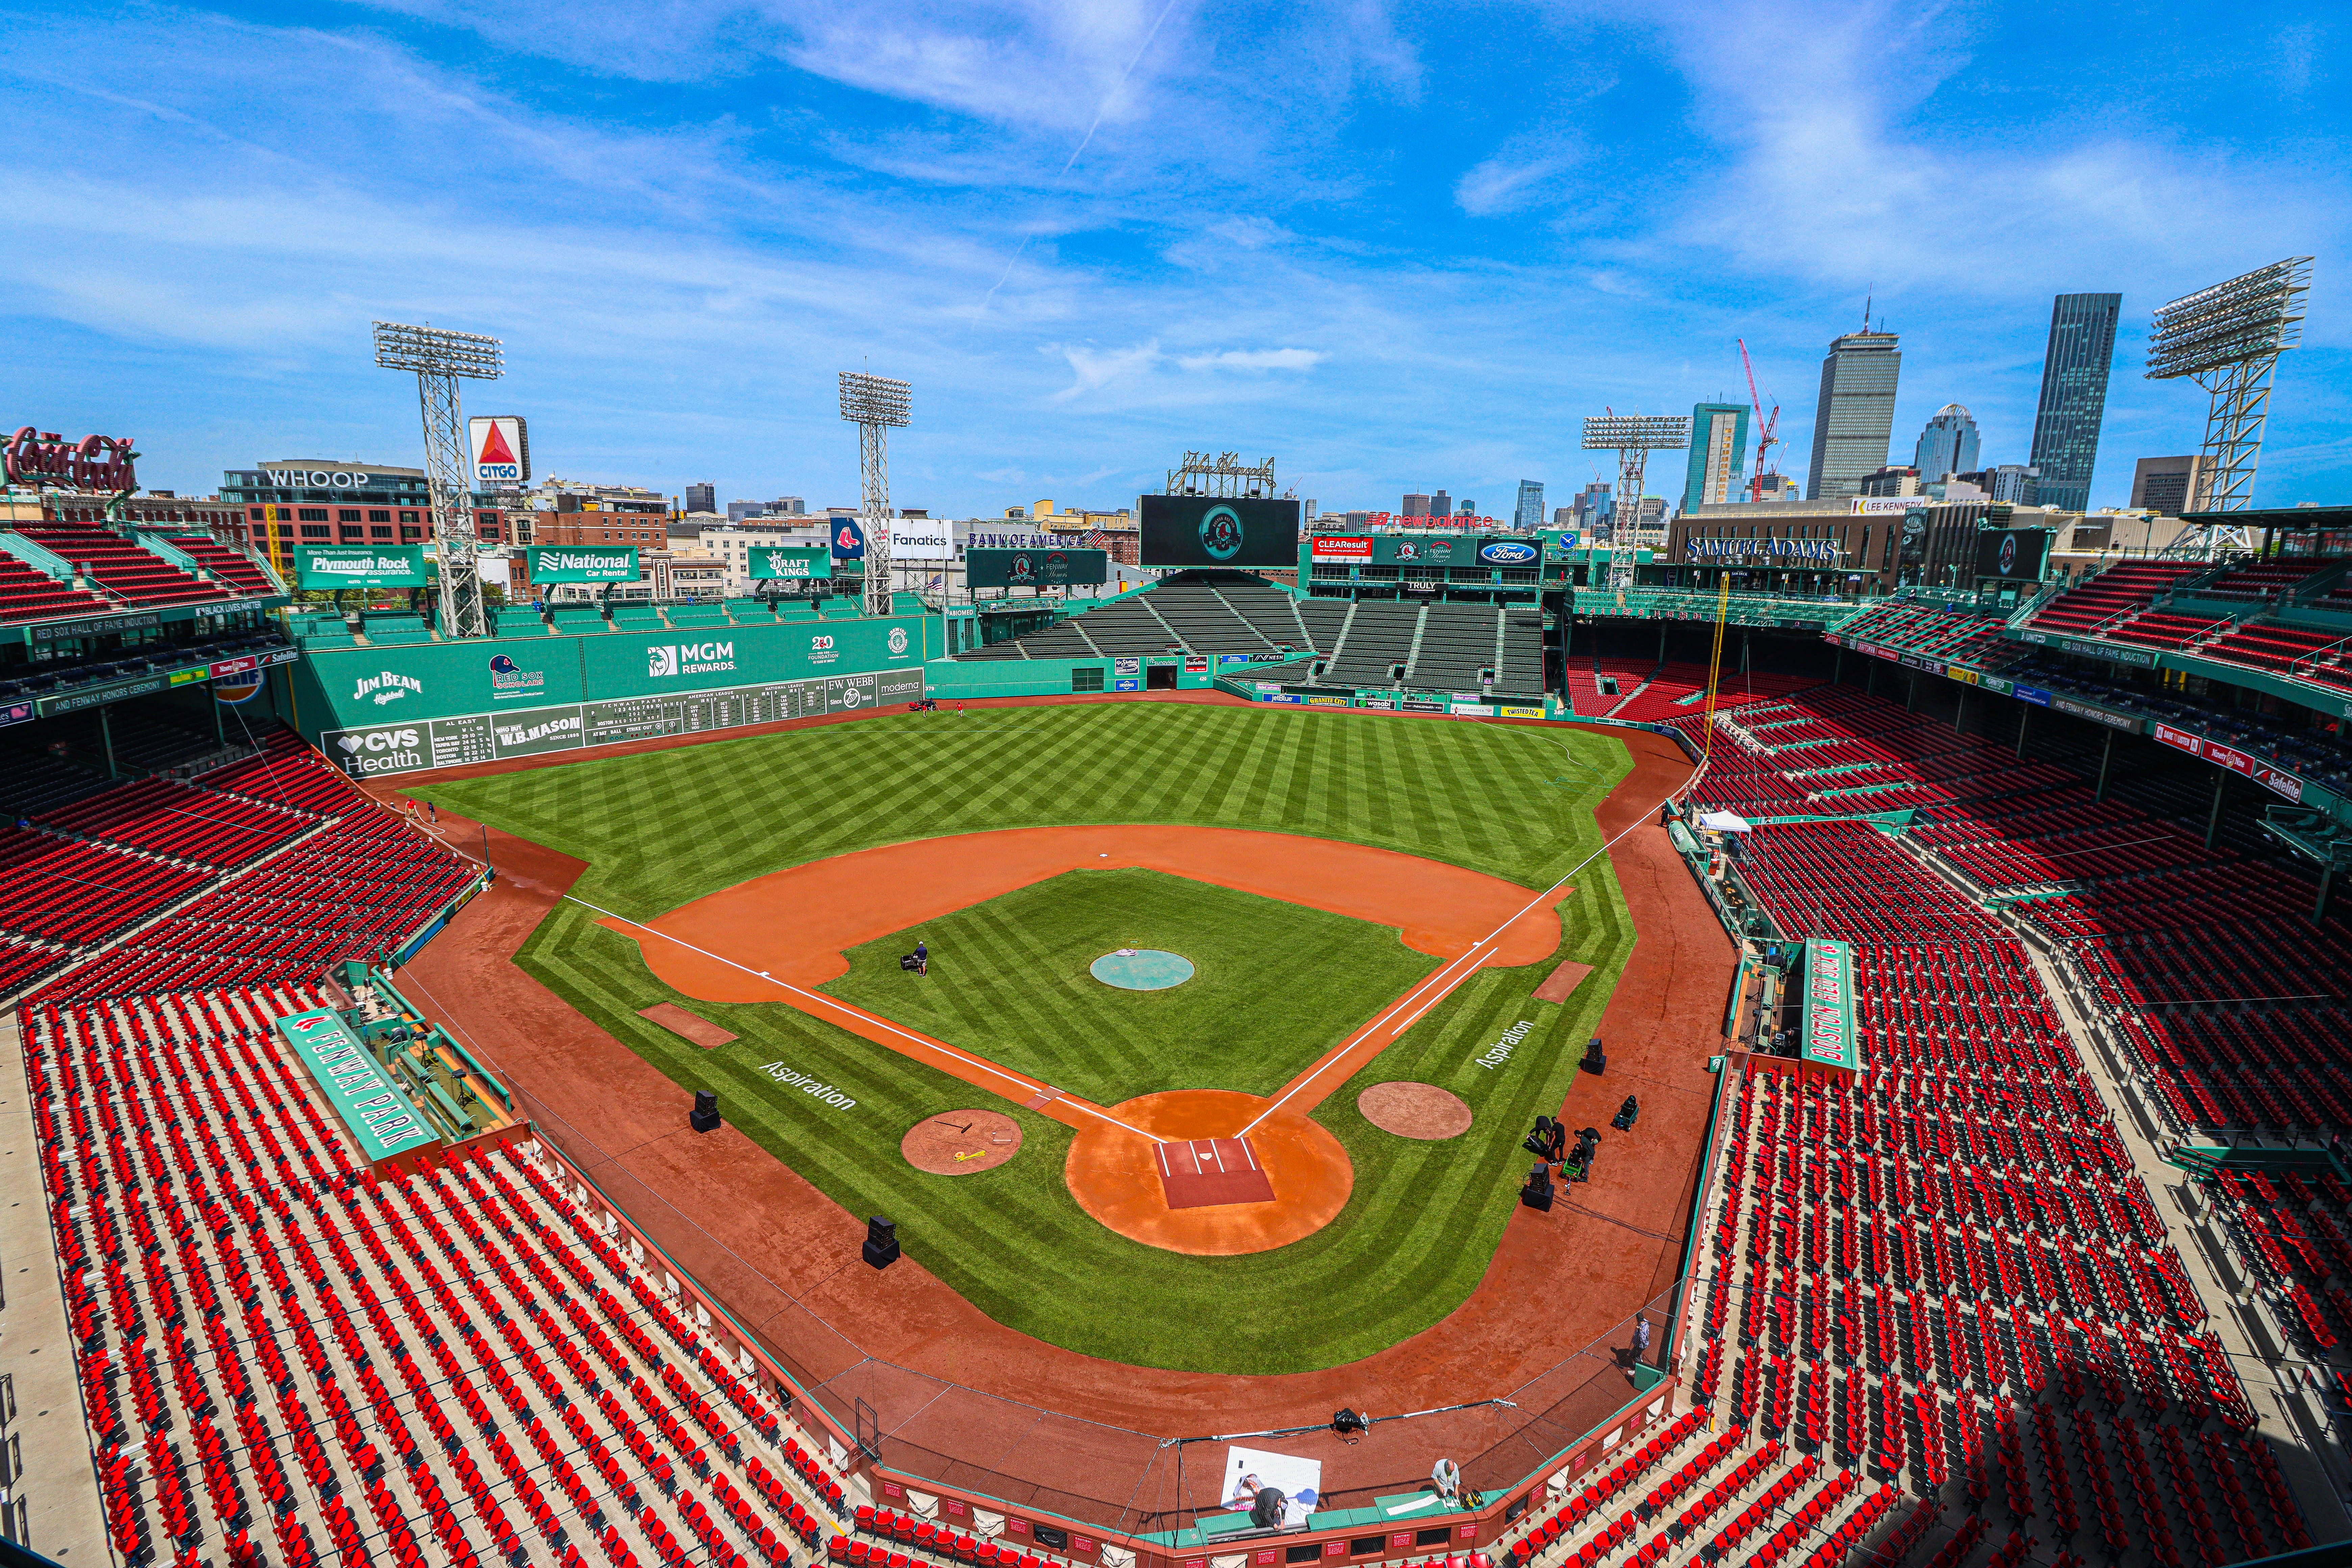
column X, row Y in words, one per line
column 582, row 562
column 359, row 566
column 770, row 561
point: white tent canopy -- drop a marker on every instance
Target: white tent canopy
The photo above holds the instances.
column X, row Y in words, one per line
column 1724, row 822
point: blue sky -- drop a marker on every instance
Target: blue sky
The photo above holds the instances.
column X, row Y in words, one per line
column 1397, row 245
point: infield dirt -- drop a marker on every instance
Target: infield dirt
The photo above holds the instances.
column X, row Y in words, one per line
column 940, row 1374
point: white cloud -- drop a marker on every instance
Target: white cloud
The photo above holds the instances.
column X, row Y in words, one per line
column 1255, row 360
column 1093, row 369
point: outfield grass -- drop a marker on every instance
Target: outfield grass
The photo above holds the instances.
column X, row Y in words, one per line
column 661, row 829
column 1009, row 981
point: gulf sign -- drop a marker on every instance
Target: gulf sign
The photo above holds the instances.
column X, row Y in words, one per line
column 1351, row 548
column 501, row 444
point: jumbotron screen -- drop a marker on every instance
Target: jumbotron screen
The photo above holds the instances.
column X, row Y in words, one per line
column 1219, row 531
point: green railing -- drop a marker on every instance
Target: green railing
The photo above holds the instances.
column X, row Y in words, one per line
column 1742, row 609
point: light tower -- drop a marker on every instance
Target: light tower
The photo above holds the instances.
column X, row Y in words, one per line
column 440, row 359
column 2227, row 339
column 875, row 404
column 1633, row 437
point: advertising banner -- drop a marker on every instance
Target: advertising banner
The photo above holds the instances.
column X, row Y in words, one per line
column 1250, row 1471
column 1219, row 531
column 920, row 538
column 582, row 562
column 379, row 750
column 2229, row 757
column 848, row 538
column 1357, row 547
column 359, row 566
column 502, row 447
column 1831, row 1039
column 365, row 1100
column 2278, row 781
column 2180, row 740
column 1048, row 568
column 780, row 560
column 1126, row 666
column 2012, row 554
column 1460, row 550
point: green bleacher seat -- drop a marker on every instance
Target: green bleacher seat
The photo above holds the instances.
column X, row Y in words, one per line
column 398, row 636
column 317, row 641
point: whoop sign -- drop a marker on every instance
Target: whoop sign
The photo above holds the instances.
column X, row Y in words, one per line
column 501, row 444
column 45, row 457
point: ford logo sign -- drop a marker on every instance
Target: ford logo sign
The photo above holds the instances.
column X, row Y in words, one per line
column 1507, row 552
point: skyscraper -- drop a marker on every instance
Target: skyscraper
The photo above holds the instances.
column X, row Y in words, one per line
column 1855, row 414
column 2074, row 396
column 1528, row 516
column 1441, row 504
column 1416, row 506
column 1948, row 444
column 702, row 496
column 1718, row 439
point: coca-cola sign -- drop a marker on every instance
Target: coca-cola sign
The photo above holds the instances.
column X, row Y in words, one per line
column 45, row 457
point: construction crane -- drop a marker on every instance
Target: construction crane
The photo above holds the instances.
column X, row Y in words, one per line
column 1765, row 429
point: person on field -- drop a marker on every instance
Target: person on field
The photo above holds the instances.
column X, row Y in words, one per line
column 922, row 957
column 1445, row 1480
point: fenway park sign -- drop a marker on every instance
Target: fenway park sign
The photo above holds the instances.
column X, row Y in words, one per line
column 45, row 457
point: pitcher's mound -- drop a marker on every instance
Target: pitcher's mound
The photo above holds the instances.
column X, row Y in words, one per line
column 1415, row 1110
column 1295, row 1176
column 961, row 1142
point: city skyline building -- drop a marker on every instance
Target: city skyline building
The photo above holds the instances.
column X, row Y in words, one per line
column 1441, row 504
column 1416, row 506
column 703, row 496
column 2165, row 485
column 1595, row 506
column 2074, row 366
column 1853, row 418
column 1718, row 441
column 1527, row 515
column 1948, row 444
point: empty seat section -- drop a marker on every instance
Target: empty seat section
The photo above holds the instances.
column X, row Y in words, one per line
column 124, row 568
column 1374, row 649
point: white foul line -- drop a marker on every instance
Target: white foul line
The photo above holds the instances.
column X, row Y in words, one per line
column 1472, row 952
column 980, row 1062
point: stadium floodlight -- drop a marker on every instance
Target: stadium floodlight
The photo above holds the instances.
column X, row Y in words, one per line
column 1633, row 437
column 441, row 359
column 2227, row 339
column 875, row 404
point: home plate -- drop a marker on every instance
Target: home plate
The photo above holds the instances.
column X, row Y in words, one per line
column 1204, row 1171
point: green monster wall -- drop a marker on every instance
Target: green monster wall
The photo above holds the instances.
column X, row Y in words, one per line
column 381, row 711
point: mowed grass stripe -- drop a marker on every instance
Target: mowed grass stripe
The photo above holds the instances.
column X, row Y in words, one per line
column 1423, row 1222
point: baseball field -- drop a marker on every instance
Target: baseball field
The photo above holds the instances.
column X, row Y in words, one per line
column 1282, row 978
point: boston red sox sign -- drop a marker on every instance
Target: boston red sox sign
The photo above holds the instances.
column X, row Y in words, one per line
column 93, row 463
